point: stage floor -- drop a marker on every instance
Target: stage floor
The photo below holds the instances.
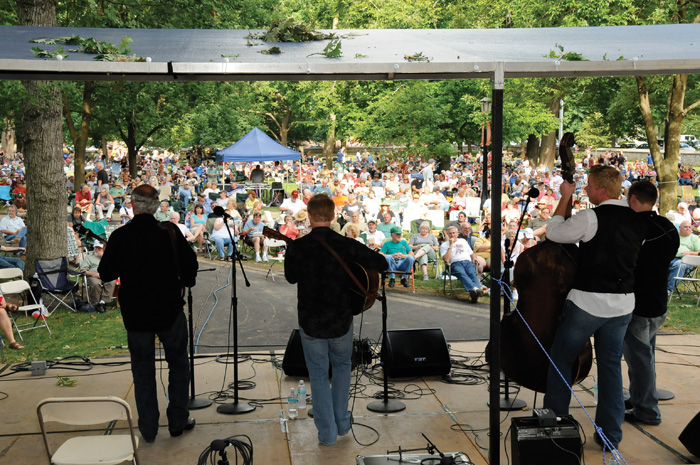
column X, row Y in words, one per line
column 454, row 416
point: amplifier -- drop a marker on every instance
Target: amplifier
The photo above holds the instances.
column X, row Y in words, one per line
column 535, row 444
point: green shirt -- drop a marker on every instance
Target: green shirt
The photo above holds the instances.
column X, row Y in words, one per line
column 689, row 243
column 391, row 247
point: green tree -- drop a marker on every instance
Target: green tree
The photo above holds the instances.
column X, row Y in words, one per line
column 594, row 132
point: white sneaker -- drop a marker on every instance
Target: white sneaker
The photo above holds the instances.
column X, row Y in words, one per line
column 426, row 277
column 264, row 258
column 257, row 258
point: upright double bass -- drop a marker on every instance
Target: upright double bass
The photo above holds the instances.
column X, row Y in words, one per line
column 543, row 275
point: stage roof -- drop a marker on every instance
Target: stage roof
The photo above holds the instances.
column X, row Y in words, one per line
column 192, row 55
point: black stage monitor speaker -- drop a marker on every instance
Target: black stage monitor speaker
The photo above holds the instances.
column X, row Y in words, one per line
column 534, row 444
column 293, row 363
column 409, row 353
column 690, row 437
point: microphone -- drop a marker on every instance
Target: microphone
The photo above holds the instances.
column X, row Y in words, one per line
column 533, row 193
column 219, row 211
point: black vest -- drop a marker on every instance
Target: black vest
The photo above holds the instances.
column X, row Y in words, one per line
column 606, row 263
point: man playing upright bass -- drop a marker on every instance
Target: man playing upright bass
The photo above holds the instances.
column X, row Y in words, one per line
column 602, row 299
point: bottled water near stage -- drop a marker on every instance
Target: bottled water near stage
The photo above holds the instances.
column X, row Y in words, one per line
column 301, row 394
column 292, row 404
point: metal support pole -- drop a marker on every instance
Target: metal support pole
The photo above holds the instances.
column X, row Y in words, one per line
column 495, row 314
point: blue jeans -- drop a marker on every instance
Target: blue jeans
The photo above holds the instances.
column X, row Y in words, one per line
column 330, row 403
column 404, row 264
column 22, row 234
column 575, row 329
column 220, row 243
column 466, row 273
column 11, row 262
column 640, row 343
column 143, row 368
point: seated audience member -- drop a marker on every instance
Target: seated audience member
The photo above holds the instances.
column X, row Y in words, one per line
column 186, row 194
column 76, row 221
column 353, row 232
column 6, row 324
column 375, row 238
column 163, row 212
column 126, row 213
column 13, row 228
column 21, row 203
column 461, row 219
column 690, row 245
column 386, row 225
column 293, row 204
column 288, row 228
column 220, row 236
column 460, row 257
column 351, row 207
column 104, row 204
column 465, row 231
column 175, row 219
column 539, row 224
column 482, row 250
column 424, row 246
column 222, row 201
column 99, row 292
column 253, row 235
column 683, row 214
column 83, row 200
column 12, row 262
column 117, row 192
column 355, row 219
column 198, row 224
column 301, row 221
column 398, row 255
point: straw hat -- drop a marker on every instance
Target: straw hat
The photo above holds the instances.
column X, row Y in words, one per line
column 301, row 215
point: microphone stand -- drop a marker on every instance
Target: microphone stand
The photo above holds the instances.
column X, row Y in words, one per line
column 236, row 407
column 385, row 405
column 508, row 404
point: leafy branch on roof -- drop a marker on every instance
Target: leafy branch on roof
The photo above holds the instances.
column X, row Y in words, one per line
column 103, row 51
column 568, row 56
column 332, row 50
column 288, row 30
column 417, row 57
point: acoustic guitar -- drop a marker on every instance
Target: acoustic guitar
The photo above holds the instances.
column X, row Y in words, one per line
column 364, row 282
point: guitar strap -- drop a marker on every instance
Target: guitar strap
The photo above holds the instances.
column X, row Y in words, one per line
column 345, row 267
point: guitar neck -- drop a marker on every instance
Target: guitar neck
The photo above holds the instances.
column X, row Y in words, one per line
column 269, row 232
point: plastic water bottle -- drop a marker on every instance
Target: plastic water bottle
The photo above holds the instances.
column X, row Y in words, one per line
column 292, row 404
column 283, row 421
column 301, row 394
column 595, row 391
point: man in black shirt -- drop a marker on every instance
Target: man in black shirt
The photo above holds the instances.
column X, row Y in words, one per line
column 154, row 267
column 650, row 278
column 325, row 313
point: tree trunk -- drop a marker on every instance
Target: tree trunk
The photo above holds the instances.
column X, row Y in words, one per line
column 285, row 127
column 666, row 164
column 532, row 152
column 80, row 137
column 329, row 144
column 42, row 136
column 548, row 152
column 8, row 139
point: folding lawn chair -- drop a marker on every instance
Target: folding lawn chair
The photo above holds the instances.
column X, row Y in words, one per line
column 54, row 277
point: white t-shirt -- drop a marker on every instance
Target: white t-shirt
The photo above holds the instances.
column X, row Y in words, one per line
column 460, row 251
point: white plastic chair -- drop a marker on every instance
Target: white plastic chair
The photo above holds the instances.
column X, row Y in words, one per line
column 108, row 449
column 9, row 274
column 22, row 288
column 689, row 281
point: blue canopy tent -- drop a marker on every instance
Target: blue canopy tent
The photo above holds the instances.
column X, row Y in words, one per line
column 255, row 146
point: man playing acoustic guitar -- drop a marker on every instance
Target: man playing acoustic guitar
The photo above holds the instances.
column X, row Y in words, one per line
column 325, row 312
